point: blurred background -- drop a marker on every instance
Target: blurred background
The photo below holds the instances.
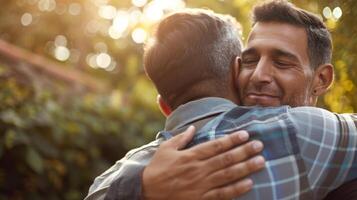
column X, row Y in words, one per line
column 73, row 94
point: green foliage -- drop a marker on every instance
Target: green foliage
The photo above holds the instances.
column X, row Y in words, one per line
column 53, row 150
column 343, row 95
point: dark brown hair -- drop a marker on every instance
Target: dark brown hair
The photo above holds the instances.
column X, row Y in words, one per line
column 319, row 39
column 191, row 54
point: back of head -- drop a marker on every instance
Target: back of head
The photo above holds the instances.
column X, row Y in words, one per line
column 191, row 54
column 319, row 39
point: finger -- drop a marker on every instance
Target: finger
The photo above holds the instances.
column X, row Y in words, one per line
column 182, row 139
column 235, row 155
column 230, row 191
column 236, row 172
column 217, row 146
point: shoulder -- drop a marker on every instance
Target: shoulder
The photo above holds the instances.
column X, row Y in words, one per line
column 144, row 150
column 243, row 116
column 315, row 124
column 255, row 120
column 312, row 112
column 255, row 112
column 319, row 117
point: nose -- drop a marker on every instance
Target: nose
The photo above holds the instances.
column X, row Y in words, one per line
column 262, row 73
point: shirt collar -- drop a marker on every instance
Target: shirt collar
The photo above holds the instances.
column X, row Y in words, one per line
column 195, row 110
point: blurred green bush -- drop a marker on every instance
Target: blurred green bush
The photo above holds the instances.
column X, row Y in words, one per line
column 52, row 147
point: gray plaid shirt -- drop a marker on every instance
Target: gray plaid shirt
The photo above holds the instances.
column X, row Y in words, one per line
column 123, row 179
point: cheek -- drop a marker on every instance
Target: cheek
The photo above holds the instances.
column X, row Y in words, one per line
column 295, row 90
column 291, row 82
column 243, row 79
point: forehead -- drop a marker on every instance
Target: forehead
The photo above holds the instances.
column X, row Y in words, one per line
column 275, row 35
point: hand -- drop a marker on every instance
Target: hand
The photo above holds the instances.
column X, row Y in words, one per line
column 212, row 170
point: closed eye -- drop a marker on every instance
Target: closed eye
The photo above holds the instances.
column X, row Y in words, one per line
column 283, row 64
column 249, row 62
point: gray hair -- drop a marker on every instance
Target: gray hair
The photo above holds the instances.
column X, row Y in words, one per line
column 190, row 47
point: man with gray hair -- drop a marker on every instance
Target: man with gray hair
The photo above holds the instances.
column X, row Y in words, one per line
column 191, row 58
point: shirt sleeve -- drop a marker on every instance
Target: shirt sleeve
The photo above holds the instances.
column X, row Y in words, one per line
column 101, row 183
column 129, row 186
column 123, row 180
column 328, row 144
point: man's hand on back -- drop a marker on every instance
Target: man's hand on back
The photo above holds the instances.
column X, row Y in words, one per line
column 212, row 170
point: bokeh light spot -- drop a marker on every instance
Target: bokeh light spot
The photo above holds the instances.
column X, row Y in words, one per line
column 60, row 40
column 327, row 12
column 114, row 33
column 135, row 16
column 139, row 35
column 121, row 22
column 47, row 5
column 75, row 9
column 26, row 19
column 103, row 60
column 107, row 11
column 337, row 12
column 61, row 53
column 153, row 12
column 91, row 60
column 139, row 3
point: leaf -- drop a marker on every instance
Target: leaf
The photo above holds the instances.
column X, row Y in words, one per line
column 13, row 138
column 9, row 138
column 34, row 160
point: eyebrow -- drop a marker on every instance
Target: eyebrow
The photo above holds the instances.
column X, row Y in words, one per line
column 249, row 51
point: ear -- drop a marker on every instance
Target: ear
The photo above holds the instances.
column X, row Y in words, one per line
column 236, row 68
column 164, row 108
column 323, row 79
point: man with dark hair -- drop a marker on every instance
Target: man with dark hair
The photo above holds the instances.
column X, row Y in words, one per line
column 287, row 61
column 303, row 145
column 287, row 57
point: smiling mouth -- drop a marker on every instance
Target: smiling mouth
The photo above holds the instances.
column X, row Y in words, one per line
column 264, row 99
column 258, row 95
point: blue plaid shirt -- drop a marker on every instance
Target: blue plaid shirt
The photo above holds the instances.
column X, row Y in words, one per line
column 309, row 151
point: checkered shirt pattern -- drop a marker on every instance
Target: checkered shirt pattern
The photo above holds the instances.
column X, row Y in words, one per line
column 309, row 151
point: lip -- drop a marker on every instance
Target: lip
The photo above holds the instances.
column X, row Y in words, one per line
column 261, row 95
column 262, row 99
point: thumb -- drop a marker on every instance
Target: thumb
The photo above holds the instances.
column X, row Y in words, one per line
column 182, row 139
